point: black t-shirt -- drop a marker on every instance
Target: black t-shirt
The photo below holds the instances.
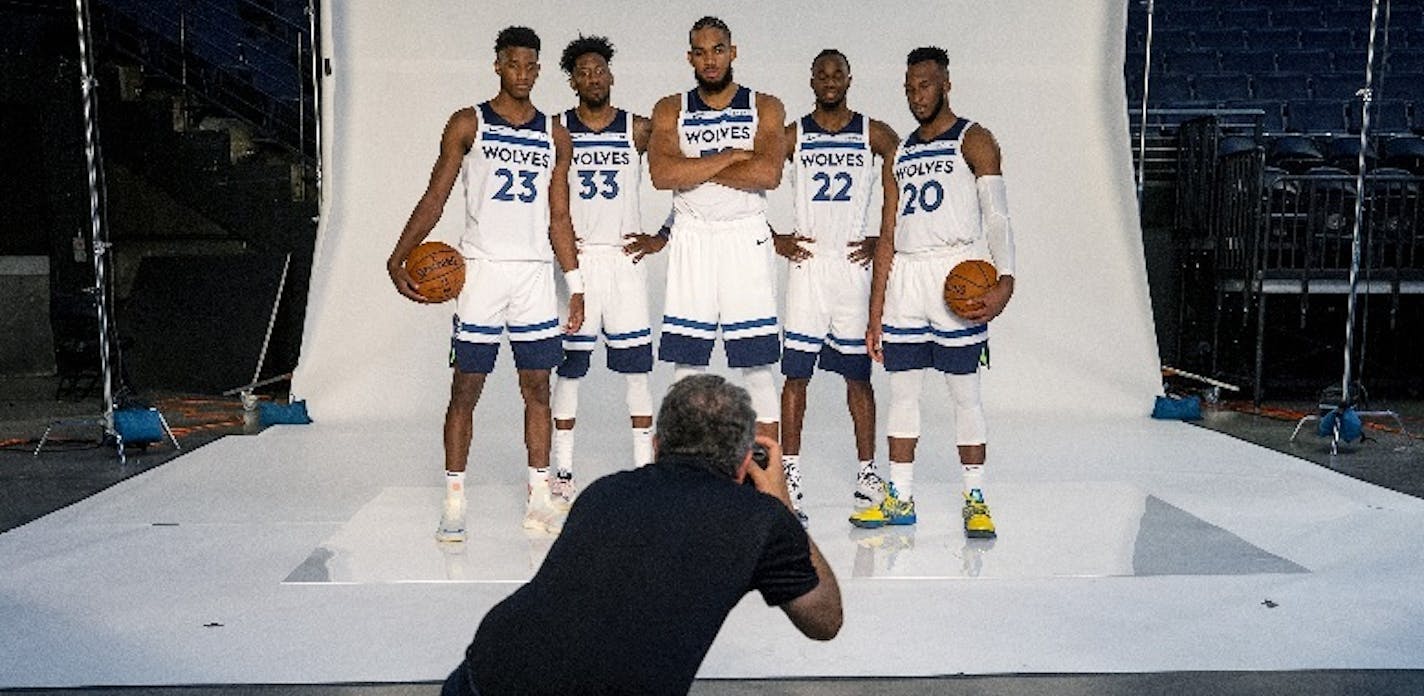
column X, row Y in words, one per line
column 637, row 585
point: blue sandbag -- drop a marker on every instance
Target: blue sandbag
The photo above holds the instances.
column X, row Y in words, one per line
column 271, row 413
column 1177, row 408
column 138, row 426
column 1351, row 427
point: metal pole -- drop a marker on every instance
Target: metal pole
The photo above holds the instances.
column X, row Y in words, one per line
column 96, row 223
column 1142, row 122
column 1366, row 97
column 316, row 87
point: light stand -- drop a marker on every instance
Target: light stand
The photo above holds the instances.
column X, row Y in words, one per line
column 1340, row 412
column 100, row 247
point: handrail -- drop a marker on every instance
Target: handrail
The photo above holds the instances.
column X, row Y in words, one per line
column 235, row 62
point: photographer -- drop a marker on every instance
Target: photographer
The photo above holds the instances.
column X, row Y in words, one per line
column 652, row 560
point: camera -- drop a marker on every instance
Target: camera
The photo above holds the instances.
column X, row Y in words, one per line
column 760, row 455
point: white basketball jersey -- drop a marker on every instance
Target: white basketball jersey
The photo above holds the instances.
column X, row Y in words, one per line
column 939, row 204
column 506, row 175
column 603, row 180
column 703, row 131
column 834, row 174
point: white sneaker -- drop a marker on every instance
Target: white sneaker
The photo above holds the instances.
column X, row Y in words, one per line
column 869, row 489
column 540, row 514
column 452, row 521
column 562, row 490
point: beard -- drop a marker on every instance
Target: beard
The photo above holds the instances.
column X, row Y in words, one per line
column 597, row 102
column 939, row 107
column 713, row 87
column 830, row 105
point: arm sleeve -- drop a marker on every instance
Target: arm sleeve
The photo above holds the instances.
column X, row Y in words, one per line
column 784, row 571
column 666, row 230
column 994, row 206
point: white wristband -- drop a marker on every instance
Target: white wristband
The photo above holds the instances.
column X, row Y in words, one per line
column 574, row 279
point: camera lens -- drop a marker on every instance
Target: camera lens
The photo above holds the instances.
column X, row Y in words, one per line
column 760, row 456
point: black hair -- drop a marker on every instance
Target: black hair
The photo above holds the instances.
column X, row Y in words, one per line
column 830, row 52
column 924, row 53
column 710, row 22
column 585, row 44
column 516, row 37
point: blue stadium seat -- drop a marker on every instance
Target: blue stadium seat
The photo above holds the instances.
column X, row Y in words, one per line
column 1389, row 116
column 1168, row 39
column 1295, row 17
column 1273, row 38
column 1355, row 15
column 1294, row 153
column 1250, row 61
column 1245, row 17
column 1222, row 88
column 1273, row 119
column 1315, row 116
column 1171, row 89
column 1191, row 62
column 1189, row 17
column 1344, row 152
column 1235, row 144
column 1406, row 152
column 1334, row 39
column 1282, row 86
column 1224, row 39
column 1406, row 61
column 1337, row 85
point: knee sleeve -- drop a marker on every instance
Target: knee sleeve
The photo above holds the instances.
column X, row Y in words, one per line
column 686, row 371
column 903, row 419
column 565, row 399
column 640, row 399
column 761, row 385
column 969, row 425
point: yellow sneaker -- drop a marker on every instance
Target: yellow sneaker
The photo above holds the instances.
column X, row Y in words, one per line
column 977, row 522
column 892, row 511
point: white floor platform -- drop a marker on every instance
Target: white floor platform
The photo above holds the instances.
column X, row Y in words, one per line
column 304, row 555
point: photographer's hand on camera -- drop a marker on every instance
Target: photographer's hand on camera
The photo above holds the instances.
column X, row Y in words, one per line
column 772, row 479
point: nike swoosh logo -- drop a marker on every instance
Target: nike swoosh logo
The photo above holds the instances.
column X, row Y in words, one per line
column 763, row 241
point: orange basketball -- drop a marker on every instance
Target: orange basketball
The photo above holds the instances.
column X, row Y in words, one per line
column 437, row 269
column 968, row 281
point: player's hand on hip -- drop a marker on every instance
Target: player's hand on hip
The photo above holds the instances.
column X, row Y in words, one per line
column 873, row 345
column 991, row 304
column 772, row 479
column 790, row 246
column 863, row 251
column 405, row 285
column 640, row 245
column 575, row 320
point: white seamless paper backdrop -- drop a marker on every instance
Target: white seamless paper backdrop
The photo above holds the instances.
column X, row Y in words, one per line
column 1046, row 78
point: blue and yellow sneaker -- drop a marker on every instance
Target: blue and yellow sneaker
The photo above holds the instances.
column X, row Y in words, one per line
column 977, row 522
column 892, row 511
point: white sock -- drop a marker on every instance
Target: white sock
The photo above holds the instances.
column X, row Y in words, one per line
column 974, row 480
column 902, row 477
column 868, row 466
column 564, row 449
column 538, row 477
column 454, row 484
column 642, row 446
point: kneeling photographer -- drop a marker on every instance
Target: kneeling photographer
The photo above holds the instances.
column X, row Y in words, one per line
column 651, row 561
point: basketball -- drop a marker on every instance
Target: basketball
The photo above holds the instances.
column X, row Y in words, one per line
column 968, row 281
column 437, row 269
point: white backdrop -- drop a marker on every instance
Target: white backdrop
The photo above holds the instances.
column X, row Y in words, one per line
column 1046, row 78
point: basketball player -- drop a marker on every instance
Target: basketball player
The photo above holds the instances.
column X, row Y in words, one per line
column 833, row 153
column 718, row 147
column 608, row 145
column 514, row 162
column 952, row 207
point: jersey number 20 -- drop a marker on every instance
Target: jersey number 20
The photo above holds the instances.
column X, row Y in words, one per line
column 930, row 195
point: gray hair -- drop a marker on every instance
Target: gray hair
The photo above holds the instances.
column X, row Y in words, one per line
column 706, row 417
